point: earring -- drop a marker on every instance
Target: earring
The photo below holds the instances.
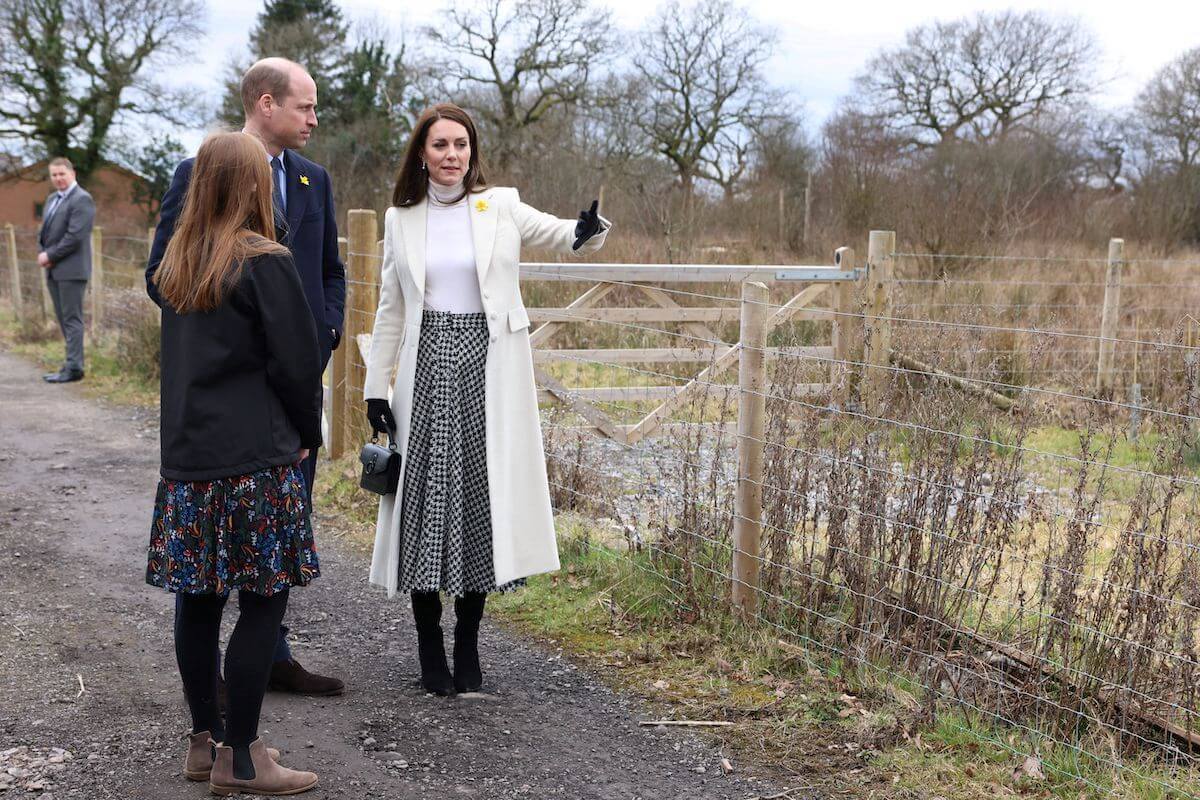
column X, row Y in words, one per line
column 424, row 166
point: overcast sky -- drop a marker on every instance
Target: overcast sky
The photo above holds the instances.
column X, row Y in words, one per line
column 822, row 44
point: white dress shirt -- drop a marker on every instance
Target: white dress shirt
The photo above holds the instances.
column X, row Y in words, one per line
column 58, row 200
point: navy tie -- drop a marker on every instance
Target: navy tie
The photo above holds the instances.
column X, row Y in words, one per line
column 277, row 180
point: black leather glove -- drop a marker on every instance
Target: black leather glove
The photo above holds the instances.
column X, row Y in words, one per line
column 379, row 414
column 588, row 225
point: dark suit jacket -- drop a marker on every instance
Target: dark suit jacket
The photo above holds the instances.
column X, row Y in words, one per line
column 311, row 235
column 67, row 236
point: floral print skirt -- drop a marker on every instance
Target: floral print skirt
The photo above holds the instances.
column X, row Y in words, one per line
column 249, row 532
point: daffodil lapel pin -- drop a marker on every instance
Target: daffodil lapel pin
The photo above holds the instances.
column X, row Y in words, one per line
column 481, row 205
column 304, row 179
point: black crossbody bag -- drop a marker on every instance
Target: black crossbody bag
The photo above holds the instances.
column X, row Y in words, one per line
column 380, row 466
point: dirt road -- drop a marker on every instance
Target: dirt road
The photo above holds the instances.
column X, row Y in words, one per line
column 87, row 666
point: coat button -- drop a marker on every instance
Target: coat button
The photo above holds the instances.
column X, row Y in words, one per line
column 486, row 295
column 494, row 337
column 492, row 315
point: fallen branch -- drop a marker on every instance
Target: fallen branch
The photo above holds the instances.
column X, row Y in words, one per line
column 786, row 794
column 794, row 649
column 686, row 723
column 81, row 688
column 995, row 398
column 1186, row 737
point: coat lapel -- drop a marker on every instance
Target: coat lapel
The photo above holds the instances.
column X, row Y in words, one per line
column 297, row 194
column 484, row 216
column 46, row 219
column 412, row 226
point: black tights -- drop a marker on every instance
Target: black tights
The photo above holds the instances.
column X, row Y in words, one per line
column 247, row 661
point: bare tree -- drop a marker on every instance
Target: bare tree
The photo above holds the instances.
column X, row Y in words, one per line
column 859, row 163
column 1169, row 110
column 1105, row 145
column 516, row 62
column 1167, row 158
column 978, row 78
column 699, row 72
column 72, row 69
column 783, row 155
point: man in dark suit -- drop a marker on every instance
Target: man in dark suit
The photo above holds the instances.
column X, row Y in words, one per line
column 279, row 99
column 65, row 240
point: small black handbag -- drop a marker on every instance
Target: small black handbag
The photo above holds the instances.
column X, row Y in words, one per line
column 380, row 466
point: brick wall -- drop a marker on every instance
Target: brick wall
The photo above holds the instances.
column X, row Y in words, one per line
column 22, row 195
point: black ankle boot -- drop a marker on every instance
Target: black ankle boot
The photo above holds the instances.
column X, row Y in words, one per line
column 435, row 672
column 468, row 675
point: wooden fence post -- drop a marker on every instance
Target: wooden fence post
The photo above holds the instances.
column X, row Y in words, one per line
column 1109, row 318
column 807, row 236
column 47, row 300
column 362, row 298
column 15, row 279
column 97, row 280
column 752, row 379
column 337, row 379
column 877, row 335
column 847, row 328
column 783, row 221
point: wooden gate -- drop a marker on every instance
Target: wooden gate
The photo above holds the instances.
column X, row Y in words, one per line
column 703, row 346
column 857, row 322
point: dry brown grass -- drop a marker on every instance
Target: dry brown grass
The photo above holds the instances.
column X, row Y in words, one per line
column 1037, row 569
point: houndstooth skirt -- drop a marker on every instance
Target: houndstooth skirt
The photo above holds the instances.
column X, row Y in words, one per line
column 445, row 523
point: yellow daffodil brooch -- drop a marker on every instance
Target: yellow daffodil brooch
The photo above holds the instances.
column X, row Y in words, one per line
column 481, row 205
column 304, row 179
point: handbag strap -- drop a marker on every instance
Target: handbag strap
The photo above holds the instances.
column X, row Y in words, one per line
column 391, row 440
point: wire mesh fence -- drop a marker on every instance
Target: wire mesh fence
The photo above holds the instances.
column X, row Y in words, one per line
column 950, row 493
column 116, row 310
column 1034, row 567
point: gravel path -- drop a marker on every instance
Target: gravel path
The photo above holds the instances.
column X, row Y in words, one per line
column 90, row 702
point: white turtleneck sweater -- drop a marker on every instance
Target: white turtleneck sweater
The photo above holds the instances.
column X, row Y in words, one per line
column 451, row 283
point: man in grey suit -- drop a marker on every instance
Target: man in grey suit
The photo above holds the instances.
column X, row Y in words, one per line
column 66, row 255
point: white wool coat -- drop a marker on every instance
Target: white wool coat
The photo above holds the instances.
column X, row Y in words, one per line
column 523, row 541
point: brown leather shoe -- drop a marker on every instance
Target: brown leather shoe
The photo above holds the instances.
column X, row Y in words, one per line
column 198, row 764
column 289, row 676
column 269, row 778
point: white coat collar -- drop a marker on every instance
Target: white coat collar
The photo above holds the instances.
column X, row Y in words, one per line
column 484, row 216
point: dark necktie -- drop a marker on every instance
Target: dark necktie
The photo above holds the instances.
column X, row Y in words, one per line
column 277, row 181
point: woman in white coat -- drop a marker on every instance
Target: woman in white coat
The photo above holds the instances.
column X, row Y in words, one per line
column 472, row 512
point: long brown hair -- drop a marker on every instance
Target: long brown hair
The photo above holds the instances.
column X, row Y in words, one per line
column 226, row 220
column 412, row 183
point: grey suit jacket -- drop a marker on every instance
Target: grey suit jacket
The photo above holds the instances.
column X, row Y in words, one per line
column 67, row 236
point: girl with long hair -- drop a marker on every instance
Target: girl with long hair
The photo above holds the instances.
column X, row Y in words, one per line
column 240, row 408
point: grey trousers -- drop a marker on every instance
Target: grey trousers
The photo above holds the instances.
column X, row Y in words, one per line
column 68, row 307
